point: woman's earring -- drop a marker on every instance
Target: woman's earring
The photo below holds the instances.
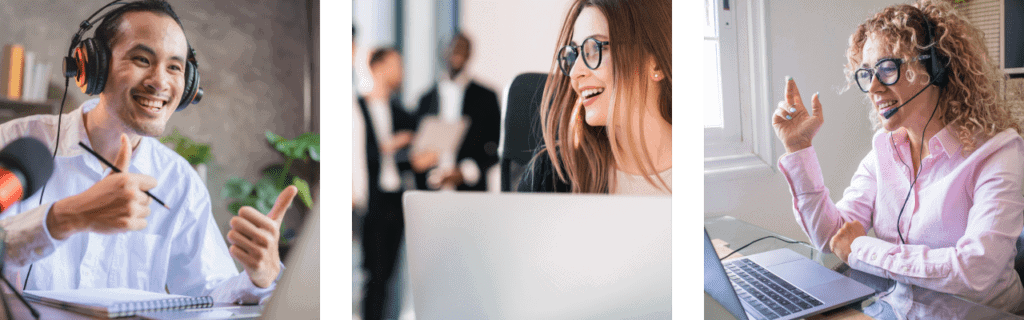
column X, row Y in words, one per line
column 656, row 77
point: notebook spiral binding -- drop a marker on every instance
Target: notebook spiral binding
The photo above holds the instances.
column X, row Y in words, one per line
column 132, row 308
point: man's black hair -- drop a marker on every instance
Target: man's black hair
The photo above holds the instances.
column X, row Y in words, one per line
column 378, row 55
column 106, row 32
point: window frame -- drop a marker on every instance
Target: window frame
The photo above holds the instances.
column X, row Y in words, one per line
column 746, row 145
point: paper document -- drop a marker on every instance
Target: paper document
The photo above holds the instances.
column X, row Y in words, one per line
column 442, row 137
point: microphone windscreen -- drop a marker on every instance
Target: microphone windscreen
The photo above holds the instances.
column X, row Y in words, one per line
column 32, row 158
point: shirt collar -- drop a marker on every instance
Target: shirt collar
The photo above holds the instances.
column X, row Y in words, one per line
column 944, row 141
column 75, row 131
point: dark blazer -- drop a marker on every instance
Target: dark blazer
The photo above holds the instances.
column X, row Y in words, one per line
column 481, row 143
column 540, row 175
column 400, row 120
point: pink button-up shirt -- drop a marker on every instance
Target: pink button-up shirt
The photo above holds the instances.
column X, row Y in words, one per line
column 960, row 224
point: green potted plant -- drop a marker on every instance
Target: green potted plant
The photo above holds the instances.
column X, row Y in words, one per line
column 262, row 194
column 197, row 154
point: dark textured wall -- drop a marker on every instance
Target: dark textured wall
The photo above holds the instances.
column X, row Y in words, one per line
column 251, row 60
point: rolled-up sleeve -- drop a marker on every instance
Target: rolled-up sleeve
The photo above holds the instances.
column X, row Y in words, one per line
column 28, row 238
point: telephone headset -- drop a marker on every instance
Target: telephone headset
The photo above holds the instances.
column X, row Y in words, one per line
column 88, row 61
column 936, row 68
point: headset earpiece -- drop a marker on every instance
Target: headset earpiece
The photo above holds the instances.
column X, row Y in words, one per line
column 937, row 63
column 102, row 65
column 192, row 93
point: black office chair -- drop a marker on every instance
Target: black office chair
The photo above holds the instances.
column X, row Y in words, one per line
column 1018, row 261
column 522, row 130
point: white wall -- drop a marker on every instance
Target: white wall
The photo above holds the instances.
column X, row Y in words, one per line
column 420, row 50
column 806, row 40
column 511, row 37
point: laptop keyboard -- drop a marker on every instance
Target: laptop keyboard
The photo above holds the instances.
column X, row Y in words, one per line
column 766, row 292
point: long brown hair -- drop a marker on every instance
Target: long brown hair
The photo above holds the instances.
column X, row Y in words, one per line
column 971, row 102
column 582, row 154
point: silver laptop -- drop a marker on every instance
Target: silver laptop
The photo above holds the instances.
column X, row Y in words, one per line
column 539, row 256
column 778, row 284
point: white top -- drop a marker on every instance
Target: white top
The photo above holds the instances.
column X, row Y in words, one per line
column 380, row 115
column 182, row 249
column 630, row 184
column 360, row 179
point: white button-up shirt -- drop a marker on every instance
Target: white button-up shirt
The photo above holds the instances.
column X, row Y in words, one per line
column 181, row 249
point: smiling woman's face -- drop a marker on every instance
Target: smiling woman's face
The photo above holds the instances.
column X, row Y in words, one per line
column 884, row 98
column 594, row 87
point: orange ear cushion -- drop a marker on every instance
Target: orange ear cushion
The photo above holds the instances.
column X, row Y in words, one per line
column 80, row 56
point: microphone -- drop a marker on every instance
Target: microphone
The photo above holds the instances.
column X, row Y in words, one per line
column 25, row 165
column 888, row 114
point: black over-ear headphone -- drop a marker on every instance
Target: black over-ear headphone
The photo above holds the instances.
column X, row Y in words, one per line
column 88, row 61
column 937, row 62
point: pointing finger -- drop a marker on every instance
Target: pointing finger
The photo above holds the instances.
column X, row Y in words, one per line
column 793, row 94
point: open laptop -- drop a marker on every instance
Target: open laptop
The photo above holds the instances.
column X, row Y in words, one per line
column 539, row 256
column 778, row 284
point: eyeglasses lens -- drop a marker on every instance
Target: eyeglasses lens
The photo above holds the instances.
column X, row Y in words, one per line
column 566, row 59
column 592, row 53
column 887, row 71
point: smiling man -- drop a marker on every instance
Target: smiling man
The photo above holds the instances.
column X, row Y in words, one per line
column 92, row 228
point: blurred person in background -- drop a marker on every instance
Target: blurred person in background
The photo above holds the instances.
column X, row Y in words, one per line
column 456, row 95
column 388, row 131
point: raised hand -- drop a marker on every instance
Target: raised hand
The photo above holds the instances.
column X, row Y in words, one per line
column 793, row 125
column 115, row 204
column 254, row 239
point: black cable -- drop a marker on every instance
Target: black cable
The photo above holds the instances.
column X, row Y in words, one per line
column 920, row 153
column 35, row 313
column 83, row 28
column 762, row 238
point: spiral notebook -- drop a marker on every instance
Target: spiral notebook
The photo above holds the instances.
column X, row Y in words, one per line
column 115, row 302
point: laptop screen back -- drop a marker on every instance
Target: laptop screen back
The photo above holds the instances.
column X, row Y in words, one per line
column 717, row 284
column 539, row 256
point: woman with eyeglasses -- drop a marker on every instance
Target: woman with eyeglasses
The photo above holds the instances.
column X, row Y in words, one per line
column 608, row 128
column 941, row 186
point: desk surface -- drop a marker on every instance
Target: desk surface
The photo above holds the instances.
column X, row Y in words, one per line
column 925, row 303
column 218, row 311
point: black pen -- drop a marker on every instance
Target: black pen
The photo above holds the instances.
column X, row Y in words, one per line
column 112, row 167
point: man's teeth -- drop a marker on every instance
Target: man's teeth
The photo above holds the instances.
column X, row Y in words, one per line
column 591, row 92
column 886, row 104
column 152, row 104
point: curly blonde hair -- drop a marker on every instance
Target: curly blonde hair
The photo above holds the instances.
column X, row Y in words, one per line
column 970, row 101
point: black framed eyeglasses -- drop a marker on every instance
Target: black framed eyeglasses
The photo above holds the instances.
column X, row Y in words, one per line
column 592, row 50
column 888, row 71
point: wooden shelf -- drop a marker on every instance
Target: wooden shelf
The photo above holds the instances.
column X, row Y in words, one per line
column 11, row 109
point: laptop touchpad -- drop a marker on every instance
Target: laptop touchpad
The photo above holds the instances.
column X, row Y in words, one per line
column 804, row 273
